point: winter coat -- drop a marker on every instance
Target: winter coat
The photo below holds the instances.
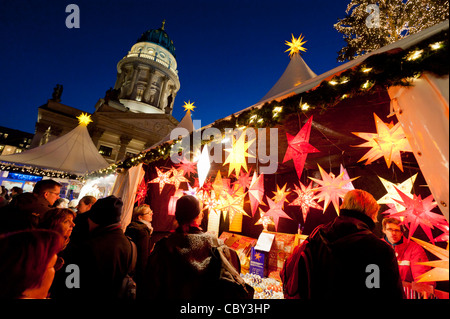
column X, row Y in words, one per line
column 408, row 255
column 103, row 259
column 343, row 260
column 182, row 266
column 140, row 234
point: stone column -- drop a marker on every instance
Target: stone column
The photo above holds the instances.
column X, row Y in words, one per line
column 149, row 85
column 124, row 141
column 162, row 93
column 96, row 133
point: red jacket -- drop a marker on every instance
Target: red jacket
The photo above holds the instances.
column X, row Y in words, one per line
column 409, row 253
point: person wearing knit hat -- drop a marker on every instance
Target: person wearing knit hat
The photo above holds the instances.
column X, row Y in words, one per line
column 106, row 211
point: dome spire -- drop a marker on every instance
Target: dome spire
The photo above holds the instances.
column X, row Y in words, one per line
column 163, row 24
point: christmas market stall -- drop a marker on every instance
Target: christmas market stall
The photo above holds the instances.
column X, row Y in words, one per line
column 65, row 159
column 271, row 173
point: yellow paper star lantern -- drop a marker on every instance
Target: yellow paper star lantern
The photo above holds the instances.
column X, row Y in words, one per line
column 296, row 45
column 84, row 119
column 188, row 106
column 237, row 154
column 440, row 271
column 392, row 196
column 388, row 142
column 281, row 194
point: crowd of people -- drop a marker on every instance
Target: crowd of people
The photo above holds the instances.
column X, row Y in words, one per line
column 51, row 250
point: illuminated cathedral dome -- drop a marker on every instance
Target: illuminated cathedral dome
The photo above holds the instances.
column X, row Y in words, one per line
column 159, row 37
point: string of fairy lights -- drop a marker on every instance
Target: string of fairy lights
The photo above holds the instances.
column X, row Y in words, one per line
column 383, row 70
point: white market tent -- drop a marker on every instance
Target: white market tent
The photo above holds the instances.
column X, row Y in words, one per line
column 73, row 153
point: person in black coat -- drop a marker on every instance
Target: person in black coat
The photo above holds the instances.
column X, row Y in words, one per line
column 139, row 230
column 344, row 259
column 103, row 255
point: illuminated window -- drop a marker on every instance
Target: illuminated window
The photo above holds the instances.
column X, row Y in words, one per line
column 105, row 150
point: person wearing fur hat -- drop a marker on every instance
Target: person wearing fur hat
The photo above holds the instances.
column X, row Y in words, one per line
column 182, row 266
column 103, row 255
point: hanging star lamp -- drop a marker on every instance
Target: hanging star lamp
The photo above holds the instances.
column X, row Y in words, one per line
column 392, row 196
column 232, row 205
column 281, row 194
column 418, row 212
column 187, row 166
column 237, row 154
column 440, row 272
column 388, row 142
column 299, row 147
column 203, row 166
column 256, row 191
column 84, row 119
column 264, row 220
column 162, row 179
column 276, row 211
column 331, row 189
column 141, row 192
column 243, row 180
column 177, row 178
column 349, row 186
column 305, row 199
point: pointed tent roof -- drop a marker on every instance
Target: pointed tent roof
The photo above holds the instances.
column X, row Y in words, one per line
column 295, row 74
column 73, row 152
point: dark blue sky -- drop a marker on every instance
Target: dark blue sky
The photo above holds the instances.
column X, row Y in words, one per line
column 229, row 53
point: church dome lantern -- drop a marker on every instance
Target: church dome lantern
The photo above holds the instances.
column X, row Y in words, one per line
column 147, row 76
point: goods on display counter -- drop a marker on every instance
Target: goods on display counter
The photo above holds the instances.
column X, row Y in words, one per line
column 262, row 259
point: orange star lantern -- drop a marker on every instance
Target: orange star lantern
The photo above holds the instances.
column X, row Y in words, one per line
column 389, row 141
column 162, row 179
column 238, row 154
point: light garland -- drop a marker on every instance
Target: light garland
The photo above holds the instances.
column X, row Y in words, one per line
column 384, row 69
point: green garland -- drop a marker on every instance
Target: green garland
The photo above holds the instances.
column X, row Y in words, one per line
column 391, row 68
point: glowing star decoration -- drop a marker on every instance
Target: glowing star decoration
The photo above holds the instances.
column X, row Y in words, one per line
column 189, row 106
column 162, row 179
column 298, row 147
column 256, row 191
column 187, row 166
column 264, row 220
column 296, row 45
column 84, row 119
column 238, row 154
column 349, row 186
column 418, row 213
column 331, row 189
column 141, row 192
column 232, row 205
column 203, row 166
column 392, row 195
column 243, row 180
column 389, row 141
column 276, row 211
column 440, row 272
column 177, row 178
column 281, row 194
column 305, row 199
column 191, row 191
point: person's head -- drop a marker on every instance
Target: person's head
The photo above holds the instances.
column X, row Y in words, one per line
column 86, row 203
column 60, row 220
column 187, row 211
column 142, row 212
column 392, row 229
column 106, row 211
column 24, row 207
column 16, row 191
column 361, row 201
column 48, row 189
column 28, row 263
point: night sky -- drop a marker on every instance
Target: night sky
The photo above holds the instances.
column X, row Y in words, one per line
column 229, row 53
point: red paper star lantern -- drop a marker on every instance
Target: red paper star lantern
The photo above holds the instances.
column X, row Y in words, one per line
column 305, row 199
column 276, row 211
column 299, row 147
column 256, row 191
column 418, row 213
